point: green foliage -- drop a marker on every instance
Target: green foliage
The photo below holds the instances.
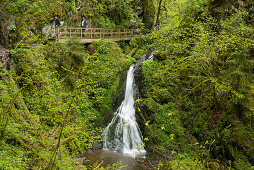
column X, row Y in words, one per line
column 109, row 13
column 103, row 22
column 166, row 128
column 115, row 166
column 140, row 41
column 198, row 92
column 63, row 92
column 182, row 161
column 107, row 62
column 149, row 12
column 204, row 66
column 143, row 43
column 33, row 18
column 12, row 156
column 30, row 17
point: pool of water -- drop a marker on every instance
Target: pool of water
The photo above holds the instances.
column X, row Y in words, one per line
column 106, row 157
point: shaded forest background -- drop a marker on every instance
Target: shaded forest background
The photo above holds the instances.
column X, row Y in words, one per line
column 196, row 99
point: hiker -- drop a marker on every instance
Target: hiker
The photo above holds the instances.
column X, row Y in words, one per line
column 57, row 21
column 57, row 24
column 157, row 25
column 84, row 24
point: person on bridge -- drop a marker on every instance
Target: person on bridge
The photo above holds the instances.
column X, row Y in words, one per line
column 57, row 21
column 84, row 24
column 57, row 24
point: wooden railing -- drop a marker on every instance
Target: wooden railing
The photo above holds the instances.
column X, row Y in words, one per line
column 89, row 35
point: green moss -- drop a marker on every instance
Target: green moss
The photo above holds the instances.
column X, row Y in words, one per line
column 184, row 161
column 13, row 157
column 57, row 86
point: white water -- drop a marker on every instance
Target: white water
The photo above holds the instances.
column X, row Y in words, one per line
column 151, row 56
column 122, row 133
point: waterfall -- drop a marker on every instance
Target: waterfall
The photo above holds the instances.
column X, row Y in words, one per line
column 151, row 55
column 123, row 134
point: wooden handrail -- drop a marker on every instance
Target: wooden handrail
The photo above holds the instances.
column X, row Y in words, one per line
column 91, row 34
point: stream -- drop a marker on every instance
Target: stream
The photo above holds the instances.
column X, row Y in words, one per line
column 107, row 157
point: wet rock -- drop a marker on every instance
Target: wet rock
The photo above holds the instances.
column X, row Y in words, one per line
column 6, row 24
column 48, row 30
column 4, row 57
column 97, row 145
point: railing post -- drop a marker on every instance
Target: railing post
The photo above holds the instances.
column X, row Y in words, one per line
column 57, row 33
column 91, row 34
column 100, row 33
column 81, row 33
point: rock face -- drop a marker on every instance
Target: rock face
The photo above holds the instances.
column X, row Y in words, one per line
column 5, row 26
column 49, row 29
column 4, row 57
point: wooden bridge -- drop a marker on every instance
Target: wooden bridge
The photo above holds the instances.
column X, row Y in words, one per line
column 89, row 35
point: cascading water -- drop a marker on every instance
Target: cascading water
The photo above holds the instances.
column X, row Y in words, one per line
column 122, row 133
column 151, row 55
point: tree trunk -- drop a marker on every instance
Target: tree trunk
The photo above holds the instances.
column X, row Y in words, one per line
column 159, row 12
column 148, row 13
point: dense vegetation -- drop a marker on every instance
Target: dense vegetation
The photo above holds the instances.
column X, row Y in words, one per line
column 196, row 96
column 60, row 93
column 35, row 19
column 198, row 92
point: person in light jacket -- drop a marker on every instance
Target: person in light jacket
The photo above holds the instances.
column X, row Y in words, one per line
column 84, row 24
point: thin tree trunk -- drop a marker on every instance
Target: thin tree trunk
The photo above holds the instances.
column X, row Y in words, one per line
column 159, row 11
